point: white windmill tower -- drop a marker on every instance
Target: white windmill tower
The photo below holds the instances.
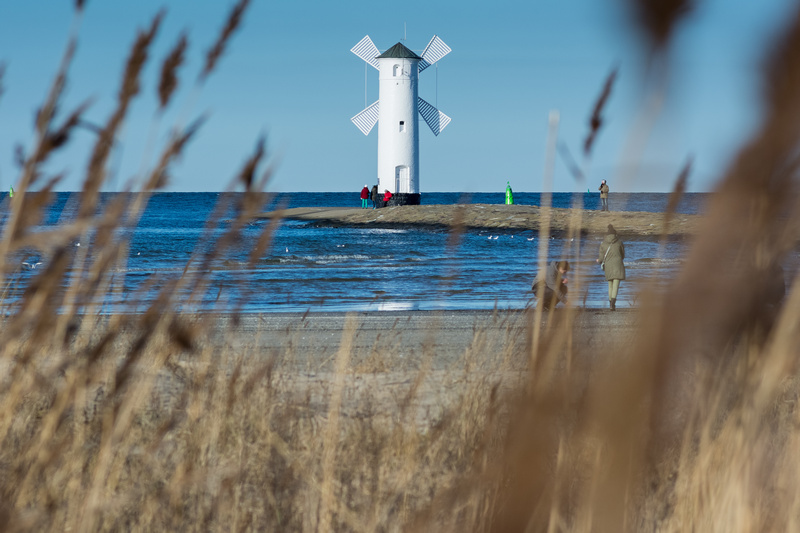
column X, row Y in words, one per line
column 396, row 112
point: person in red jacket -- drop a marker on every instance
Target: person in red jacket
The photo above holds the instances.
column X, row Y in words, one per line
column 365, row 197
column 386, row 196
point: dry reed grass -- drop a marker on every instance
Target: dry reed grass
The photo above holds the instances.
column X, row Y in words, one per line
column 158, row 420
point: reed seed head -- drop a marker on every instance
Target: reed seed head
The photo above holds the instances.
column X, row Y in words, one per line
column 169, row 78
column 247, row 174
column 216, row 51
column 658, row 18
column 596, row 120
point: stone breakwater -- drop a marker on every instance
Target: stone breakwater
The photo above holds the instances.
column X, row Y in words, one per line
column 494, row 216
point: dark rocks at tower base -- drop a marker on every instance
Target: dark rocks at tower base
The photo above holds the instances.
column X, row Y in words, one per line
column 404, row 198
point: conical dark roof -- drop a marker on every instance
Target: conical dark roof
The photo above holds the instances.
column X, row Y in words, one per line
column 399, row 51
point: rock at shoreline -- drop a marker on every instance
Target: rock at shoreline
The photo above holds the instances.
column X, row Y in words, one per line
column 496, row 216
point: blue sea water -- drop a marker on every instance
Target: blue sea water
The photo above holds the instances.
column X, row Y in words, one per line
column 312, row 266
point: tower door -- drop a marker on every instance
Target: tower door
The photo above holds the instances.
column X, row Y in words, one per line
column 402, row 179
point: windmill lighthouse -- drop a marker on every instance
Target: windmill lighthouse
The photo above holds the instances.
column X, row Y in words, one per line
column 396, row 112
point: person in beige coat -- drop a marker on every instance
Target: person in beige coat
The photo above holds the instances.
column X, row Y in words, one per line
column 603, row 195
column 611, row 256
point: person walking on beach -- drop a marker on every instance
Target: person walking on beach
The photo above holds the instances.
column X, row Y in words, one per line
column 374, row 196
column 550, row 286
column 603, row 196
column 365, row 197
column 610, row 257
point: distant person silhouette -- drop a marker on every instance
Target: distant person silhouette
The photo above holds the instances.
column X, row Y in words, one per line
column 603, row 195
column 375, row 196
column 365, row 197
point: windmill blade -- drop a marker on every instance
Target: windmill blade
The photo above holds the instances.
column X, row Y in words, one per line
column 435, row 50
column 366, row 50
column 367, row 119
column 435, row 119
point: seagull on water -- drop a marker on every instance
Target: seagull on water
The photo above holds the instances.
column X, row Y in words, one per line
column 32, row 266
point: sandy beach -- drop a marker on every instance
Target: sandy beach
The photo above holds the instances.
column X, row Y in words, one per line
column 313, row 340
column 437, row 355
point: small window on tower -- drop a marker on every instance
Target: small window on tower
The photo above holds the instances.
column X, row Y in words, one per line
column 402, row 125
column 397, row 71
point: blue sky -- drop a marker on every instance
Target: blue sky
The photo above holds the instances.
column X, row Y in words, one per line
column 289, row 74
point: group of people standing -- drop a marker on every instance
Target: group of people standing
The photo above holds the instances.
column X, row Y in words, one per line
column 550, row 286
column 377, row 201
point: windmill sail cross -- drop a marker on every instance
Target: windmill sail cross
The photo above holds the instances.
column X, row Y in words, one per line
column 366, row 50
column 435, row 50
column 367, row 119
column 435, row 119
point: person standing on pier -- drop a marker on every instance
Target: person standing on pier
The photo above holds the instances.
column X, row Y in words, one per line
column 375, row 196
column 365, row 197
column 603, row 196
